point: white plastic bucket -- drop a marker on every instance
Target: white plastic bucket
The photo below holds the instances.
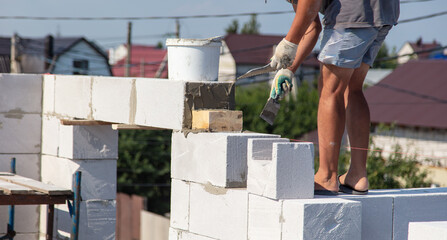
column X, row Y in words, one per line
column 193, row 59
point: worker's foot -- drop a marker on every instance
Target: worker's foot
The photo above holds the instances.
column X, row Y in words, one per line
column 325, row 185
column 358, row 182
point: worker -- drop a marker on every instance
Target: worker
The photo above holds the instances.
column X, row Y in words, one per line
column 352, row 36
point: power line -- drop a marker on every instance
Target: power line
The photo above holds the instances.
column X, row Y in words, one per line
column 189, row 17
column 141, row 18
column 423, row 17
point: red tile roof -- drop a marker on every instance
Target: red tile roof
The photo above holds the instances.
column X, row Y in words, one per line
column 421, row 46
column 414, row 95
column 151, row 55
column 254, row 49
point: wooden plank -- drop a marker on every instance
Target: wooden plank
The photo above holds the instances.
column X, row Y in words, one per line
column 35, row 185
column 218, row 120
column 6, row 174
column 33, row 199
column 11, row 188
column 83, row 122
column 133, row 127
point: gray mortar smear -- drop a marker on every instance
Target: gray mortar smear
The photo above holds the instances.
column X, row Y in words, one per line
column 204, row 95
column 214, row 190
column 133, row 103
column 16, row 113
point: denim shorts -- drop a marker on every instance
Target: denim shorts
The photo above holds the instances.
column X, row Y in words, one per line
column 349, row 47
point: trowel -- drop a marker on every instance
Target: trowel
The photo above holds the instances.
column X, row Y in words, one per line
column 257, row 71
column 272, row 106
column 270, row 110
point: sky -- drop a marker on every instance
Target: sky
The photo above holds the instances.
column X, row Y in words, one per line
column 113, row 32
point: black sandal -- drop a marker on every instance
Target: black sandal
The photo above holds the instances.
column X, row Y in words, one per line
column 350, row 190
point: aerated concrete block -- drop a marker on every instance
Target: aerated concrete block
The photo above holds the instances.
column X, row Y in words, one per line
column 98, row 176
column 293, row 219
column 322, row 219
column 49, row 94
column 219, row 213
column 20, row 133
column 26, row 236
column 265, row 218
column 73, row 96
column 179, row 204
column 97, row 220
column 418, row 206
column 377, row 215
column 20, row 93
column 176, row 234
column 280, row 170
column 50, row 135
column 27, row 165
column 88, row 142
column 114, row 99
column 26, row 219
column 427, row 230
column 169, row 103
column 160, row 103
column 219, row 159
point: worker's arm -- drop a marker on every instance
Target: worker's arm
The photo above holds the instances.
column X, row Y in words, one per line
column 307, row 44
column 305, row 13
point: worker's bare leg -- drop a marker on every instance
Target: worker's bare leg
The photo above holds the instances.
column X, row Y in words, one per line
column 331, row 123
column 357, row 124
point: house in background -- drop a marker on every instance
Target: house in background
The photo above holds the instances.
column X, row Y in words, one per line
column 61, row 55
column 411, row 103
column 5, row 53
column 146, row 61
column 376, row 75
column 429, row 51
column 242, row 52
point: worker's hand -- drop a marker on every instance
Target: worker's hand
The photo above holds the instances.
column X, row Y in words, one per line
column 282, row 84
column 284, row 54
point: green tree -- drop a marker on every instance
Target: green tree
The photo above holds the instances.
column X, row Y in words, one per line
column 233, row 27
column 297, row 115
column 144, row 166
column 252, row 26
column 384, row 53
column 396, row 171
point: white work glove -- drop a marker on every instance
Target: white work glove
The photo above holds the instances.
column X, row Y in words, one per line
column 282, row 84
column 284, row 54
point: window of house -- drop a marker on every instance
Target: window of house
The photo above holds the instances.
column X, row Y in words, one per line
column 80, row 67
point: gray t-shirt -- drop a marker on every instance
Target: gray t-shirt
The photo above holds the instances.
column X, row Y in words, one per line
column 359, row 13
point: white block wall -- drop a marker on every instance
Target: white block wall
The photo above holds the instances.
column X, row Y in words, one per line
column 387, row 213
column 139, row 101
column 427, row 230
column 209, row 211
column 280, row 170
column 417, row 206
column 216, row 158
column 94, row 151
column 20, row 133
column 303, row 219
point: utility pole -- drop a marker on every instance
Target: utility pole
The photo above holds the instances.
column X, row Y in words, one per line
column 177, row 28
column 142, row 65
column 49, row 52
column 129, row 49
column 15, row 67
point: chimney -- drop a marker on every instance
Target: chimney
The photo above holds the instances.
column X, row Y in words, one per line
column 419, row 42
column 49, row 52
